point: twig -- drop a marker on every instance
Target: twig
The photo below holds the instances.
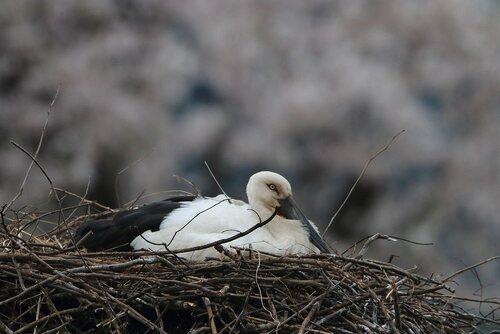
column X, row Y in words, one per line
column 310, row 315
column 384, row 310
column 37, row 151
column 388, row 237
column 385, row 148
column 46, row 176
column 19, row 275
column 395, row 299
column 5, row 328
column 245, row 303
column 494, row 258
column 137, row 315
column 217, row 182
column 260, row 290
column 48, row 317
column 116, row 292
column 191, row 184
column 126, row 168
column 370, row 240
column 210, row 313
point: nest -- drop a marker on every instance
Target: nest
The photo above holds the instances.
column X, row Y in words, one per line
column 50, row 288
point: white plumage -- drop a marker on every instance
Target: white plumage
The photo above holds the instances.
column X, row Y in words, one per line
column 186, row 222
column 205, row 220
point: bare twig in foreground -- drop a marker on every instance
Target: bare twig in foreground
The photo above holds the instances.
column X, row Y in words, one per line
column 40, row 142
column 382, row 150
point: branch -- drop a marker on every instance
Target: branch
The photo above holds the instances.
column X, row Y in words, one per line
column 33, row 159
column 217, row 182
column 385, row 148
column 471, row 267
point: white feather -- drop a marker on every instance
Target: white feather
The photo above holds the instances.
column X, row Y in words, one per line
column 205, row 220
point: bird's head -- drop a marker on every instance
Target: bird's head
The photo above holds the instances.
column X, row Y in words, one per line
column 269, row 191
column 265, row 190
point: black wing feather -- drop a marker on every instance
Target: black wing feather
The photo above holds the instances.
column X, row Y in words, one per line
column 116, row 231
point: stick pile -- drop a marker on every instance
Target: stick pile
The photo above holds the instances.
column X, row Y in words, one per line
column 158, row 293
column 48, row 288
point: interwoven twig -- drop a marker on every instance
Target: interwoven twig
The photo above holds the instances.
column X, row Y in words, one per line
column 79, row 292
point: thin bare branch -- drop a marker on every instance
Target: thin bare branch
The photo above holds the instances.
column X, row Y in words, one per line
column 37, row 151
column 494, row 258
column 217, row 182
column 363, row 171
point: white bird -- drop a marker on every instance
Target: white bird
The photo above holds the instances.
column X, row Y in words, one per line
column 189, row 221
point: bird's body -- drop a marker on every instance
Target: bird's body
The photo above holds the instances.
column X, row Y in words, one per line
column 205, row 220
column 195, row 221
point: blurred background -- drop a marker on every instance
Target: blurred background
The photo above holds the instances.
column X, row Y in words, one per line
column 309, row 89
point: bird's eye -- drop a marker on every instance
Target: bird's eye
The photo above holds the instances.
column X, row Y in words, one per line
column 272, row 186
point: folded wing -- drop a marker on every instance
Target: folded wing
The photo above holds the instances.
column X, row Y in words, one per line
column 115, row 232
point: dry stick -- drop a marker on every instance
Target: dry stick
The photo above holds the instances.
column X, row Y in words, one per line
column 223, row 250
column 19, row 275
column 132, row 203
column 217, row 182
column 395, row 299
column 87, row 201
column 363, row 322
column 384, row 310
column 38, row 308
column 388, row 236
column 126, row 168
column 33, row 159
column 50, row 316
column 310, row 315
column 368, row 263
column 87, row 291
column 60, row 274
column 166, row 248
column 331, row 316
column 352, row 325
column 474, row 300
column 46, row 214
column 190, row 183
column 367, row 244
column 5, row 328
column 55, row 195
column 50, row 305
column 135, row 314
column 159, row 317
column 312, row 330
column 260, row 291
column 34, row 256
column 237, row 320
column 385, row 148
column 312, row 302
column 210, row 314
column 265, row 268
column 82, row 199
column 40, row 141
column 58, row 329
column 471, row 267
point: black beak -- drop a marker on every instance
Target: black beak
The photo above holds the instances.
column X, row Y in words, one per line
column 289, row 210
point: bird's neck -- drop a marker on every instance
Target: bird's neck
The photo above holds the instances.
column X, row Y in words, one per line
column 263, row 211
column 279, row 227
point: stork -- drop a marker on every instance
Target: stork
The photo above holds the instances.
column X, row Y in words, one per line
column 190, row 221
